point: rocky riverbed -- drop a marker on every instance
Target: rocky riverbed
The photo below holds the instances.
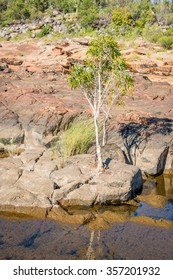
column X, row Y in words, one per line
column 36, row 103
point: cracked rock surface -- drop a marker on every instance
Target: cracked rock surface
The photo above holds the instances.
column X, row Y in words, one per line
column 36, row 103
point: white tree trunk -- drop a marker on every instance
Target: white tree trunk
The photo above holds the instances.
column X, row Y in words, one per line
column 98, row 148
column 104, row 133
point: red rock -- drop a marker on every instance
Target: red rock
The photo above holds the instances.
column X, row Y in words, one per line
column 162, row 70
column 11, row 61
column 14, row 67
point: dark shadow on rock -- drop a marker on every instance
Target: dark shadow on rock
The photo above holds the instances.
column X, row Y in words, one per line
column 135, row 134
column 106, row 163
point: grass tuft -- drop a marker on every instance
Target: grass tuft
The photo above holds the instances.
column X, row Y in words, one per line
column 76, row 138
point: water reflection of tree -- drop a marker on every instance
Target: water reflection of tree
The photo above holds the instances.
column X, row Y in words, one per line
column 91, row 251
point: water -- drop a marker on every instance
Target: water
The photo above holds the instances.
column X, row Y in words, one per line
column 165, row 212
column 117, row 232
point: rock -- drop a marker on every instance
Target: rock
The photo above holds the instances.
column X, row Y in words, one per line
column 153, row 158
column 35, row 107
column 3, row 66
column 35, row 183
column 59, row 214
column 55, row 12
column 149, row 186
column 142, row 67
column 16, row 191
column 84, row 195
column 169, row 161
column 66, row 175
column 48, row 20
column 82, row 41
column 162, row 70
column 45, row 164
column 112, row 152
column 10, row 172
column 114, row 186
column 20, row 188
column 12, row 61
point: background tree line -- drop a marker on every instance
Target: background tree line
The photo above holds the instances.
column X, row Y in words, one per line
column 150, row 18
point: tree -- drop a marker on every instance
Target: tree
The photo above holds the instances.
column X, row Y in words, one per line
column 122, row 19
column 104, row 79
column 87, row 13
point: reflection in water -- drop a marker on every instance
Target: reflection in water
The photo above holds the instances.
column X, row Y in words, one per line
column 112, row 232
column 165, row 212
column 53, row 240
column 94, row 248
column 90, row 252
column 165, row 186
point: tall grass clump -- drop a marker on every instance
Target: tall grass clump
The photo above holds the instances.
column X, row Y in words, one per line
column 77, row 138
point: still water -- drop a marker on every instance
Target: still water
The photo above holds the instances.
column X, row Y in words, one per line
column 134, row 235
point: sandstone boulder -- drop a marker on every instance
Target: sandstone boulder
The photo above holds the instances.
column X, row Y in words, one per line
column 169, row 160
column 153, row 158
column 83, row 186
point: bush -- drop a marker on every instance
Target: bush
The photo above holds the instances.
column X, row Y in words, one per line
column 153, row 33
column 121, row 20
column 166, row 42
column 88, row 13
column 45, row 31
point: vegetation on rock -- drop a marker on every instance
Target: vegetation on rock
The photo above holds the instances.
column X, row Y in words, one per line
column 119, row 18
column 77, row 138
column 103, row 79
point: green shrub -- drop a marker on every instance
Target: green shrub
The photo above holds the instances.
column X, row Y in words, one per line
column 88, row 13
column 152, row 33
column 166, row 42
column 121, row 20
column 45, row 31
column 121, row 17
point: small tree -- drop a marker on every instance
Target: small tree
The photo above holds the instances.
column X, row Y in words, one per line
column 104, row 79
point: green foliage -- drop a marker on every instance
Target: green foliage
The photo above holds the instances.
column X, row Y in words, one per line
column 40, row 5
column 142, row 14
column 104, row 59
column 77, row 138
column 45, row 31
column 87, row 13
column 67, row 6
column 121, row 16
column 129, row 19
column 3, row 5
column 16, row 10
column 166, row 42
column 155, row 34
